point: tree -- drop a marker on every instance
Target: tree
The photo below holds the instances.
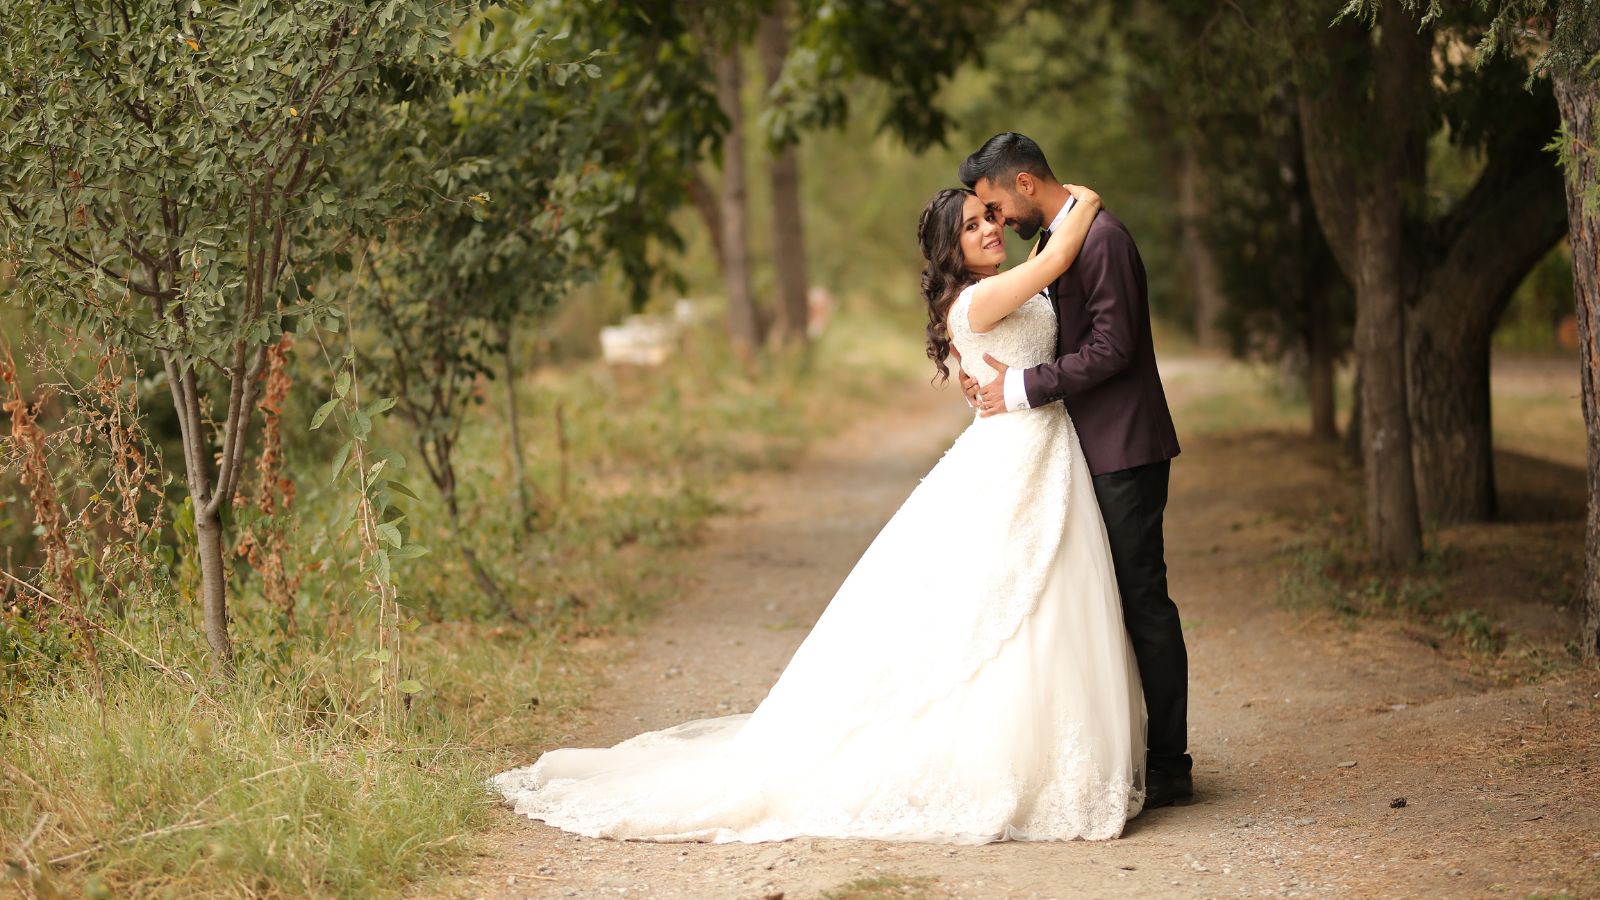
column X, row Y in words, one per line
column 173, row 170
column 1359, row 98
column 783, row 173
column 519, row 186
column 1455, row 267
column 1286, row 296
column 910, row 48
column 1566, row 33
column 733, row 210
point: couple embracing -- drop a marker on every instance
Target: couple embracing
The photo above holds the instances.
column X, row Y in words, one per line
column 984, row 672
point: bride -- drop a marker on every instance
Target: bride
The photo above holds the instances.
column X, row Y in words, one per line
column 971, row 681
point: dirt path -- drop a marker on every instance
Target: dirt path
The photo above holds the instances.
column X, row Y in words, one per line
column 1304, row 734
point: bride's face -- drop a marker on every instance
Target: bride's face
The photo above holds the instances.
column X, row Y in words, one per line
column 983, row 243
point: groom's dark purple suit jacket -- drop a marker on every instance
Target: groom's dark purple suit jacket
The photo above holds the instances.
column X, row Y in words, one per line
column 1106, row 360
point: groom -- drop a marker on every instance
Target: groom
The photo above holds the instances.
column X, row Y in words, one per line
column 1106, row 372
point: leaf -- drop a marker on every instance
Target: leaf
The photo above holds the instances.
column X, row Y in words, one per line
column 409, row 551
column 409, row 686
column 322, row 413
column 399, row 487
column 380, row 566
column 341, row 384
column 339, row 461
column 391, row 534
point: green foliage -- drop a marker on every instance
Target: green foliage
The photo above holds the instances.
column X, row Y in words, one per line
column 649, row 119
column 912, row 49
column 174, row 174
column 1475, row 630
column 1563, row 36
column 183, row 154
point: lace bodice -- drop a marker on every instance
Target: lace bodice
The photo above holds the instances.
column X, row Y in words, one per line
column 1023, row 339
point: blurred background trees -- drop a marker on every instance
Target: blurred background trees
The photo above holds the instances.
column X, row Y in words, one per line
column 1361, row 189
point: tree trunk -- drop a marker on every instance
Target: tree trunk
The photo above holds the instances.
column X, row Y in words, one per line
column 1394, row 529
column 1450, row 412
column 1579, row 97
column 1468, row 266
column 744, row 327
column 788, row 235
column 1197, row 266
column 1352, row 444
column 513, row 424
column 705, row 203
column 1317, row 279
column 486, row 583
column 213, row 583
column 437, row 453
column 204, row 485
column 1320, row 364
column 1365, row 142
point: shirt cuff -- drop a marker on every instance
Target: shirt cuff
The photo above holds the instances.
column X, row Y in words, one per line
column 1016, row 392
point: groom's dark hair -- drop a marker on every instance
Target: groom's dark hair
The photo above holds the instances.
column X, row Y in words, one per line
column 1002, row 157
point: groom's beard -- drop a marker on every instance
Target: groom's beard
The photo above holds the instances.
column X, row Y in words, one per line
column 1029, row 225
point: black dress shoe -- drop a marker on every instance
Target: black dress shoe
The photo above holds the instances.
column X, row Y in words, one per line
column 1165, row 789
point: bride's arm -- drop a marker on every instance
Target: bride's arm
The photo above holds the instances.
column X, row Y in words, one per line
column 998, row 296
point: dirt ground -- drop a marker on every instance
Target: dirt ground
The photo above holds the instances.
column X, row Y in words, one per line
column 1307, row 733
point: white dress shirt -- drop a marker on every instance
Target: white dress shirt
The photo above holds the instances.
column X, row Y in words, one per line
column 1016, row 393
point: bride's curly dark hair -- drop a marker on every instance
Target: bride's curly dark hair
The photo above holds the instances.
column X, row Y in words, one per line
column 944, row 276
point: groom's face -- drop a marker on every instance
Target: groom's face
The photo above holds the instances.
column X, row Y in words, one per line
column 1019, row 211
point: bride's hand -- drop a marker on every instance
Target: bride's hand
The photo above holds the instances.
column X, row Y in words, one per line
column 1085, row 195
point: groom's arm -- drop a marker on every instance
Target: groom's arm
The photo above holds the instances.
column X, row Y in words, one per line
column 1108, row 269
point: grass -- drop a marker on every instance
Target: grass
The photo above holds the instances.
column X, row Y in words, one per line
column 134, row 784
column 130, row 782
column 882, row 887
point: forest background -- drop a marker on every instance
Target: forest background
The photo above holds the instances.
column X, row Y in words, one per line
column 315, row 490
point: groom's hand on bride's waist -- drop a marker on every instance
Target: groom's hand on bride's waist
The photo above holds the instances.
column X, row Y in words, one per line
column 991, row 399
column 969, row 385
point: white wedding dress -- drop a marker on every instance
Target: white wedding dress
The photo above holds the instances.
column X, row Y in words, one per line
column 971, row 681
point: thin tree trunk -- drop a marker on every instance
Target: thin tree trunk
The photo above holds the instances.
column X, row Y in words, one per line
column 1317, row 280
column 513, row 424
column 197, row 462
column 1579, row 97
column 486, row 583
column 706, row 204
column 1197, row 266
column 744, row 327
column 788, row 234
column 1320, row 364
column 442, row 470
column 213, row 583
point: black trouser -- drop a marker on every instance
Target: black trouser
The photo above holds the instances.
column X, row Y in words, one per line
column 1132, row 502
